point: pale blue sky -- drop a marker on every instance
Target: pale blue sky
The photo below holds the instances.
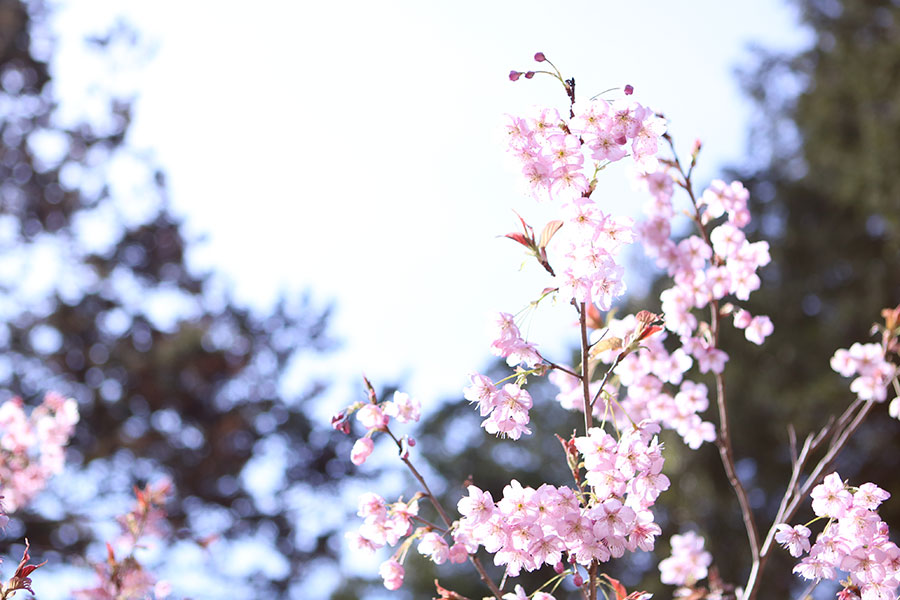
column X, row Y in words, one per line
column 352, row 148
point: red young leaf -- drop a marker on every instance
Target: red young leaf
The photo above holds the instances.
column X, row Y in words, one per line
column 521, row 239
column 446, row 594
column 525, row 226
column 621, row 592
column 550, row 230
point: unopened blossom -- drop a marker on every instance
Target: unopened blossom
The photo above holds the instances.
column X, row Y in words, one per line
column 742, row 318
column 361, row 450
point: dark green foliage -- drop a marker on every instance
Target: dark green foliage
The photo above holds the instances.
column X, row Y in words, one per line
column 193, row 395
column 827, row 198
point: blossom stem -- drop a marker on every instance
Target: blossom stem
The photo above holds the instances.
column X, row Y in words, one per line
column 726, row 453
column 563, row 369
column 723, row 439
column 723, row 442
column 592, row 573
column 606, row 378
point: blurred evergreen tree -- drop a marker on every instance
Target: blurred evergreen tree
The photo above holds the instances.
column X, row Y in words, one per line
column 172, row 378
column 823, row 174
column 824, row 160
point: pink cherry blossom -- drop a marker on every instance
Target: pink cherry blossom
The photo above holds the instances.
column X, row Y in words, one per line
column 688, row 562
column 403, row 408
column 759, row 329
column 371, row 417
column 392, row 572
column 795, row 539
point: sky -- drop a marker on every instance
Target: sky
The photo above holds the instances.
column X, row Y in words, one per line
column 353, row 150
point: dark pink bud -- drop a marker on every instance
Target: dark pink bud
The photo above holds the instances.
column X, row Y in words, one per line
column 340, row 423
column 629, row 90
column 621, row 140
column 696, row 147
column 514, row 75
column 411, row 441
column 539, row 57
column 559, row 567
column 529, row 74
column 578, row 580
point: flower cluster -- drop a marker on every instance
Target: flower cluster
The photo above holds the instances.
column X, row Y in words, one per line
column 645, row 373
column 873, row 369
column 506, row 407
column 707, row 267
column 553, row 153
column 509, row 343
column 375, row 416
column 528, row 528
column 383, row 524
column 688, row 562
column 32, row 447
column 855, row 540
column 386, row 524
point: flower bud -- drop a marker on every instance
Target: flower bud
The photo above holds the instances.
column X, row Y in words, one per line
column 539, row 57
column 514, row 75
column 339, row 422
column 361, row 450
column 529, row 74
column 629, row 89
column 742, row 318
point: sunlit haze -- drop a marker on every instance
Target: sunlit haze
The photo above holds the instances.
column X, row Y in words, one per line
column 353, row 150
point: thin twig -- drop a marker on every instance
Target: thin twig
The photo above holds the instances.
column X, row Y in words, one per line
column 723, row 439
column 476, row 562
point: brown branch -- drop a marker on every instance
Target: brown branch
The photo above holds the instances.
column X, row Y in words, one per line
column 585, row 375
column 476, row 562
